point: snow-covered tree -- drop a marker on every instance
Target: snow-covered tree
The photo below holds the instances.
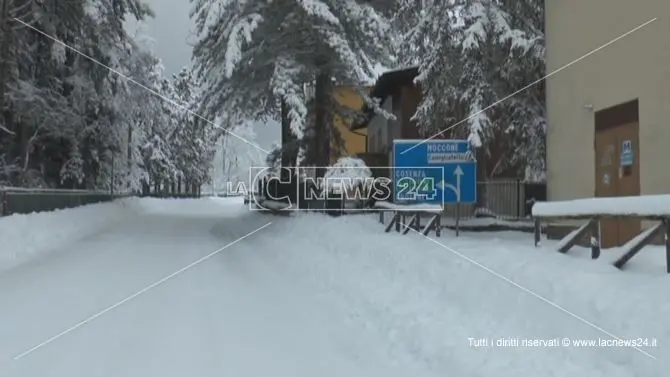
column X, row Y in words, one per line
column 59, row 102
column 235, row 159
column 85, row 105
column 473, row 55
column 141, row 108
column 193, row 140
column 256, row 56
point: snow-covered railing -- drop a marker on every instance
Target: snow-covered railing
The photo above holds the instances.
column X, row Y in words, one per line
column 649, row 207
column 26, row 200
column 400, row 213
column 593, row 210
column 52, row 191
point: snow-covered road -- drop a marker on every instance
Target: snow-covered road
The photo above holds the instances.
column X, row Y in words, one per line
column 227, row 316
column 315, row 296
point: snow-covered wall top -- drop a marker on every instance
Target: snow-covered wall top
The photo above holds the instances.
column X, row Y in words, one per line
column 645, row 205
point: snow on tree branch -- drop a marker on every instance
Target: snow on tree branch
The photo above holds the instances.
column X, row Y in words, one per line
column 471, row 54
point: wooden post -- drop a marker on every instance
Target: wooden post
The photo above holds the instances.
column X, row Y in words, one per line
column 595, row 239
column 538, row 231
column 394, row 220
column 458, row 218
column 412, row 222
column 636, row 244
column 666, row 222
column 4, row 211
column 571, row 239
column 430, row 225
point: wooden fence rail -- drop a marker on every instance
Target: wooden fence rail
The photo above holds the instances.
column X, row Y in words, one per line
column 651, row 208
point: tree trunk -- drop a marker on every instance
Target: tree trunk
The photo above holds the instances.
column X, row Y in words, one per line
column 5, row 40
column 289, row 153
column 129, row 156
column 146, row 188
column 9, row 131
column 322, row 120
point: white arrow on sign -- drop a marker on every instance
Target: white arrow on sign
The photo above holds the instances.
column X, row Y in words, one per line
column 458, row 173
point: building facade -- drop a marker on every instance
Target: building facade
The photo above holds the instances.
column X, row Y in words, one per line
column 397, row 94
column 354, row 142
column 608, row 102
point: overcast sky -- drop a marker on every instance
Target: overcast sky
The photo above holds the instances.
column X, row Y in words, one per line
column 171, row 31
column 172, row 34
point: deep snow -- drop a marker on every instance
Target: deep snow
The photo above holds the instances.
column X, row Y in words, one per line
column 25, row 236
column 316, row 296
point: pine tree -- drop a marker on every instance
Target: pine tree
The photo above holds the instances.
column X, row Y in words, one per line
column 66, row 119
column 473, row 54
column 193, row 140
column 140, row 109
column 257, row 55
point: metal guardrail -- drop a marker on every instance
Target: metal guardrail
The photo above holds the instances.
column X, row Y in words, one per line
column 16, row 200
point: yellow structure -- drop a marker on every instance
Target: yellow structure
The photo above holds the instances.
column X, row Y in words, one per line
column 354, row 141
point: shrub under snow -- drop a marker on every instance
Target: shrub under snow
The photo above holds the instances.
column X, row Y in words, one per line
column 347, row 172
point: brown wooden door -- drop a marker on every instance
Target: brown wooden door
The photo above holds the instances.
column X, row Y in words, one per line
column 618, row 176
column 606, row 164
column 628, row 175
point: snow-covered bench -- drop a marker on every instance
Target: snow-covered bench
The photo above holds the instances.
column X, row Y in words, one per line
column 400, row 213
column 654, row 208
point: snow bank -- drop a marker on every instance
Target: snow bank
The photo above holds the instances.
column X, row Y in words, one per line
column 24, row 236
column 645, row 205
column 427, row 303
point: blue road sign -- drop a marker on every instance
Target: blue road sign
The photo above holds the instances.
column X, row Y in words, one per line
column 434, row 172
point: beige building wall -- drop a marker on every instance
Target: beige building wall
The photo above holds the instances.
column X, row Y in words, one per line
column 636, row 66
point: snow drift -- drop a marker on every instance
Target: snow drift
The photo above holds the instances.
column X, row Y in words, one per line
column 24, row 236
